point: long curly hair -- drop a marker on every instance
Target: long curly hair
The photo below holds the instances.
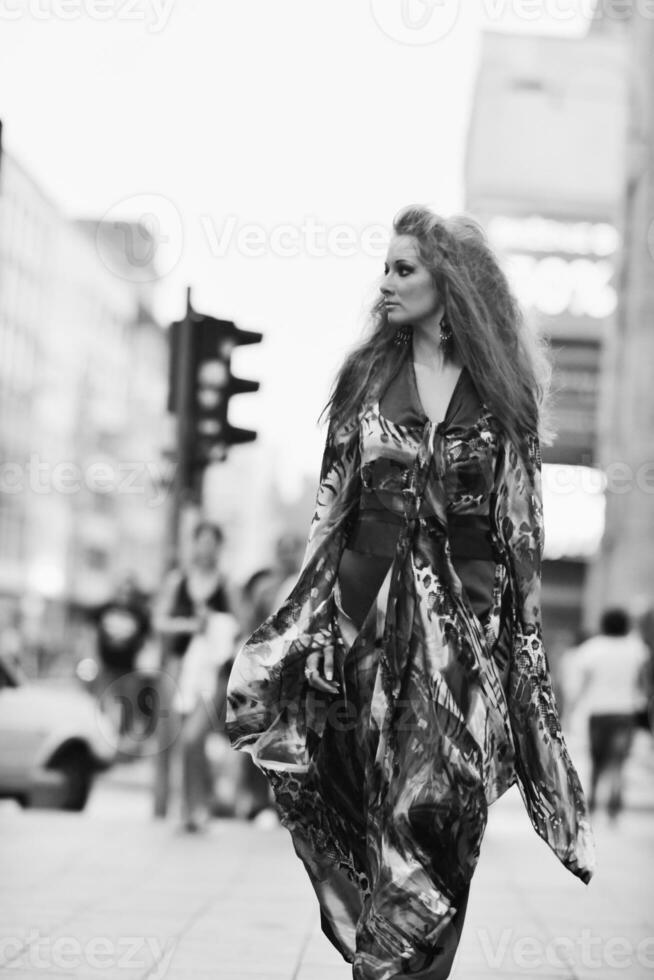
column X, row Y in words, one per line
column 509, row 364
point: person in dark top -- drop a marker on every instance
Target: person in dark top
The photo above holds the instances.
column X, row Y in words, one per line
column 189, row 595
column 123, row 626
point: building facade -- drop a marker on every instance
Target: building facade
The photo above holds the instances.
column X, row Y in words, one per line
column 83, row 369
column 544, row 173
column 623, row 572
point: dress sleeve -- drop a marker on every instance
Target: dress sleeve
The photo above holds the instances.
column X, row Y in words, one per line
column 547, row 778
column 338, row 483
column 267, row 705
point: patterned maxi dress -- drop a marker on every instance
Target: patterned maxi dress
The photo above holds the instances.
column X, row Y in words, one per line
column 445, row 698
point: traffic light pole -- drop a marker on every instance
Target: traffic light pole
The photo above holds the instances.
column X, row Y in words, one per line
column 200, row 387
column 179, row 496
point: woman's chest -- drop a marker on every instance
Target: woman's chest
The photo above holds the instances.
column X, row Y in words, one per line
column 436, row 392
column 464, row 464
column 204, row 588
column 457, row 462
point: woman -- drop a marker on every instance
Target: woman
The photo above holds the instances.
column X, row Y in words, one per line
column 195, row 614
column 403, row 686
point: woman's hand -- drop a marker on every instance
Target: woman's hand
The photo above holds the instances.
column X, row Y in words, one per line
column 324, row 681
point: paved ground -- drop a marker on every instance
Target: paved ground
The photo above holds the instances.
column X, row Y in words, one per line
column 113, row 894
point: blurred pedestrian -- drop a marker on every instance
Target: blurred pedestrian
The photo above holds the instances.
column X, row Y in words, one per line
column 403, row 685
column 11, row 639
column 195, row 614
column 256, row 599
column 268, row 587
column 289, row 551
column 122, row 628
column 564, row 678
column 609, row 673
column 645, row 625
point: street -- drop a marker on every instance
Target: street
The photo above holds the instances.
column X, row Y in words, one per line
column 113, row 893
column 326, row 346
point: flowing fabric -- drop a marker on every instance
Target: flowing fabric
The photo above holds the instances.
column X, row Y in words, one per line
column 385, row 787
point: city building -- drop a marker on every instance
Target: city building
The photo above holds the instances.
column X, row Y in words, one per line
column 545, row 174
column 623, row 572
column 83, row 371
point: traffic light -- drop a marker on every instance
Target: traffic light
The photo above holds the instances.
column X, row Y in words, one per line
column 214, row 385
column 203, row 391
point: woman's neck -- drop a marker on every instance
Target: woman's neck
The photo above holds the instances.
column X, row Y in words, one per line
column 427, row 348
column 206, row 569
column 426, row 343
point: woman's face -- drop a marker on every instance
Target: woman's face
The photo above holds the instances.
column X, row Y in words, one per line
column 410, row 296
column 206, row 548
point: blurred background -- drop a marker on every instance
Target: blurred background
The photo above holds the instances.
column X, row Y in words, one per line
column 259, row 154
column 256, row 154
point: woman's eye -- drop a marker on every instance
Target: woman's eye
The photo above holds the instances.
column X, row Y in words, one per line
column 402, row 270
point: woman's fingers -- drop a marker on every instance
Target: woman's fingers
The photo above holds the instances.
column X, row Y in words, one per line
column 313, row 673
column 312, row 669
column 328, row 663
column 319, row 684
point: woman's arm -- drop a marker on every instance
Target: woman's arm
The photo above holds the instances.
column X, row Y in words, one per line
column 547, row 778
column 519, row 501
column 338, row 482
column 338, row 489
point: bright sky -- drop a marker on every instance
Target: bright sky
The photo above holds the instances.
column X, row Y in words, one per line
column 252, row 131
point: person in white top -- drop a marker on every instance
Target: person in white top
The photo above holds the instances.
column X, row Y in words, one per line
column 610, row 671
column 194, row 613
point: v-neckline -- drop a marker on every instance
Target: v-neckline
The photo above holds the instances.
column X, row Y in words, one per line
column 414, row 382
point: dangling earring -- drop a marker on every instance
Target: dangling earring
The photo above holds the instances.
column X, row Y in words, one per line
column 446, row 336
column 402, row 335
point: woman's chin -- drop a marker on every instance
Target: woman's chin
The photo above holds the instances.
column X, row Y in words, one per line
column 396, row 317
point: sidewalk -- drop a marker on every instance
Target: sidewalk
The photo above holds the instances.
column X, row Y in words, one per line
column 123, row 896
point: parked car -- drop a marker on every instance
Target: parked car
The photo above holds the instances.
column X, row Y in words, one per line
column 53, row 740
